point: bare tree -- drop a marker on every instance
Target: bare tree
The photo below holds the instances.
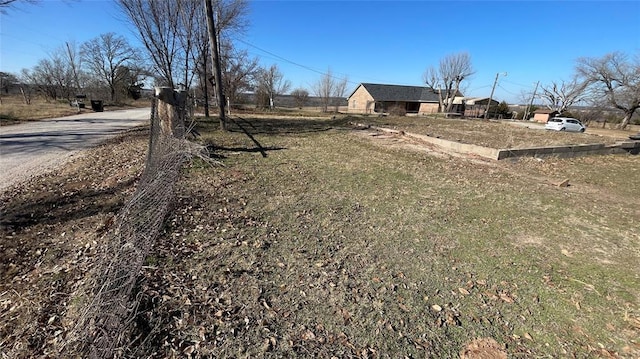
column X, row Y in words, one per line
column 52, row 77
column 327, row 87
column 616, row 78
column 105, row 55
column 189, row 15
column 174, row 33
column 338, row 93
column 8, row 4
column 7, row 81
column 300, row 96
column 271, row 83
column 238, row 72
column 229, row 18
column 324, row 88
column 559, row 96
column 74, row 59
column 26, row 88
column 448, row 77
column 130, row 81
column 592, row 113
column 157, row 28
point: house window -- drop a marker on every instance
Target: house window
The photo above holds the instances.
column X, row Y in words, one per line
column 353, row 104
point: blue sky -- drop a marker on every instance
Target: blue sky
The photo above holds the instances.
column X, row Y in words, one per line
column 374, row 41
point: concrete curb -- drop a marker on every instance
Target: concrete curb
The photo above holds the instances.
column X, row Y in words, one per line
column 565, row 151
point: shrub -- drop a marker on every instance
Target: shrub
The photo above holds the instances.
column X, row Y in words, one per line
column 397, row 111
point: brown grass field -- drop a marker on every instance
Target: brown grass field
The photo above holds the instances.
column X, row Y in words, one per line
column 14, row 110
column 495, row 134
column 316, row 241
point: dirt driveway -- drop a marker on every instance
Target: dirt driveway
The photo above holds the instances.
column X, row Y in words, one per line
column 33, row 148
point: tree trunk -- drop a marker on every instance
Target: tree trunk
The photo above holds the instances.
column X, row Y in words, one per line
column 453, row 96
column 206, row 85
column 626, row 119
column 27, row 99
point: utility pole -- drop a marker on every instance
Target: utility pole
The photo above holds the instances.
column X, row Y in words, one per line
column 526, row 111
column 213, row 42
column 486, row 111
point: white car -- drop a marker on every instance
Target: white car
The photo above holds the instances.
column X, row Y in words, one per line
column 565, row 124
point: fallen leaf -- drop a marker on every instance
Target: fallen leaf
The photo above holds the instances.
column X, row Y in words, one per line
column 346, row 316
column 491, row 295
column 436, row 307
column 308, row 335
column 188, row 350
column 505, row 297
column 463, row 291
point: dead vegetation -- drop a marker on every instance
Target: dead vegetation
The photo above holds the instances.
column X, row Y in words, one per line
column 313, row 242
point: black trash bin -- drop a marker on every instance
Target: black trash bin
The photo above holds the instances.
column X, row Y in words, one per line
column 97, row 106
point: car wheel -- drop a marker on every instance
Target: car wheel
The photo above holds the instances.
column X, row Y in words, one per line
column 562, row 129
column 582, row 130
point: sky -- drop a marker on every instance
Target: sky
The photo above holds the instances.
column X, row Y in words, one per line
column 389, row 42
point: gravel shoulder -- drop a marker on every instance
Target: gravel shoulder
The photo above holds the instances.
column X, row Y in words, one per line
column 35, row 148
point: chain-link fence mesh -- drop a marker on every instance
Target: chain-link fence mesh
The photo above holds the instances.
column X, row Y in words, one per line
column 101, row 330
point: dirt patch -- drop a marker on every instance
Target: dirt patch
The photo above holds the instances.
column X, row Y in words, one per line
column 483, row 348
column 398, row 140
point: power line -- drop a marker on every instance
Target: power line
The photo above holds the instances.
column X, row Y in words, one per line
column 282, row 58
column 507, row 91
column 515, row 83
column 276, row 56
column 478, row 88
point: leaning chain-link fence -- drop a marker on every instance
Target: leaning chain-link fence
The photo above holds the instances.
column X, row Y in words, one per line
column 102, row 328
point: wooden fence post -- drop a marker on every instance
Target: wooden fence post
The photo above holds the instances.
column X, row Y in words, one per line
column 172, row 111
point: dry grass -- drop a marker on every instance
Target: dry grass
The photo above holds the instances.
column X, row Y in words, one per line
column 494, row 134
column 14, row 110
column 313, row 242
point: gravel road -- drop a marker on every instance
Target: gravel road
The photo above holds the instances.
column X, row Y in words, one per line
column 33, row 148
